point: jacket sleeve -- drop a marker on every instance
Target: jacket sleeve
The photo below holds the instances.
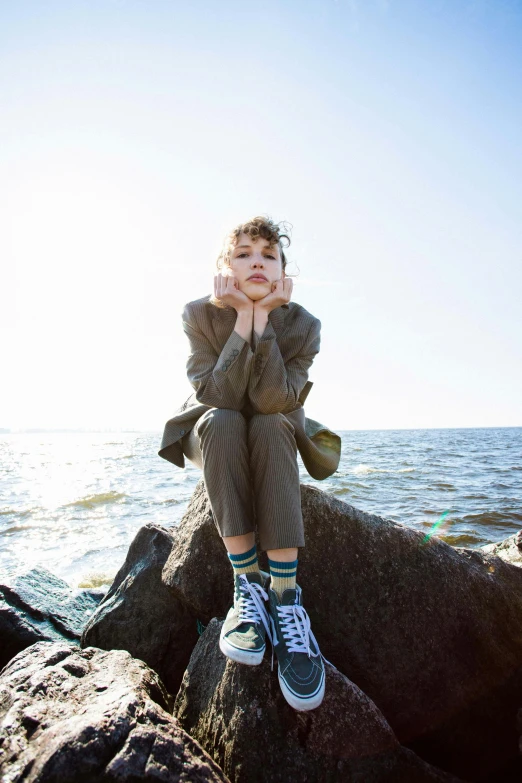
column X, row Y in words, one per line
column 219, row 380
column 274, row 387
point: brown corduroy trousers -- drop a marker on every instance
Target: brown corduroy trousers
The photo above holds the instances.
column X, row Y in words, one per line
column 250, row 470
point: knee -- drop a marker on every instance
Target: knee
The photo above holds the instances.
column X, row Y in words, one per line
column 262, row 424
column 221, row 419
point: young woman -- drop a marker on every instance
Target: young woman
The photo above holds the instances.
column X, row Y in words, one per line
column 250, row 351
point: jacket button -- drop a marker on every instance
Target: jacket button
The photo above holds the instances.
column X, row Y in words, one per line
column 182, row 432
column 235, row 352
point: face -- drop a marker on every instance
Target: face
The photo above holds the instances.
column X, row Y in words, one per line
column 250, row 257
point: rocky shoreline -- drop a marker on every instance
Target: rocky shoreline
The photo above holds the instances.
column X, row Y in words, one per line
column 425, row 642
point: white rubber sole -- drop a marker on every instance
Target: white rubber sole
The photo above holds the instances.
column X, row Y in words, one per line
column 241, row 656
column 301, row 704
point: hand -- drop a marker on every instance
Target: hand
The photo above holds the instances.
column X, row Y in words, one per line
column 281, row 293
column 226, row 288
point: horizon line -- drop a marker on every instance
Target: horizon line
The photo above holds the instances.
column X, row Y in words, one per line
column 43, row 430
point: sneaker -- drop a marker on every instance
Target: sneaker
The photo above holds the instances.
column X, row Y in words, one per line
column 300, row 662
column 243, row 633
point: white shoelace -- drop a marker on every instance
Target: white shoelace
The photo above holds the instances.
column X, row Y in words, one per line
column 251, row 607
column 296, row 630
column 295, row 623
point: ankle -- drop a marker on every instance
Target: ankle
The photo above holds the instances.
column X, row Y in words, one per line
column 244, row 563
column 282, row 575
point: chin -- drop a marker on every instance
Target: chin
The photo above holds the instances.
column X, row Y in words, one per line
column 256, row 290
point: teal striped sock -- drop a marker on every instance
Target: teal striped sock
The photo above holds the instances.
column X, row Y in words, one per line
column 246, row 562
column 282, row 575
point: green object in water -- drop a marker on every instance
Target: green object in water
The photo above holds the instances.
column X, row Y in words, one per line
column 435, row 526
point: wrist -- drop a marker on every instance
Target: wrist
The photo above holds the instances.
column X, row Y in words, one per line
column 246, row 311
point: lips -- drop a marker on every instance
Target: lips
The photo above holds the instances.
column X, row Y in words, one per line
column 258, row 277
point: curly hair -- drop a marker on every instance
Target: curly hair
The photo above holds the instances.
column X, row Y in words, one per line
column 261, row 226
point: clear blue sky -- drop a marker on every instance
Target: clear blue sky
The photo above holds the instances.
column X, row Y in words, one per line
column 134, row 135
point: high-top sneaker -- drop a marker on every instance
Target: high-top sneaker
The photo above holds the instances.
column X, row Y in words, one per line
column 300, row 662
column 244, row 630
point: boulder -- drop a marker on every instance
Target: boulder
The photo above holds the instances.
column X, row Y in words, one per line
column 39, row 606
column 70, row 715
column 139, row 614
column 510, row 549
column 430, row 633
column 239, row 715
column 198, row 571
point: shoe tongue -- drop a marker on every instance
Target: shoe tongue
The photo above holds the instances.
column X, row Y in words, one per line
column 289, row 596
column 255, row 576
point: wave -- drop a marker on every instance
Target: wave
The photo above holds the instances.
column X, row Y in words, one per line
column 97, row 579
column 97, row 500
column 20, row 514
column 462, row 539
column 362, row 470
column 18, row 529
column 492, row 517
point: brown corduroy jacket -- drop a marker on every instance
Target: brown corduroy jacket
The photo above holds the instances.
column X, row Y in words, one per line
column 269, row 376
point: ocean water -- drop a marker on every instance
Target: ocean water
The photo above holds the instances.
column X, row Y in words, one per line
column 73, row 502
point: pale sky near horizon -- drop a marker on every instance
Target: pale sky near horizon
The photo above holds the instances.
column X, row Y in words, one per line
column 134, row 135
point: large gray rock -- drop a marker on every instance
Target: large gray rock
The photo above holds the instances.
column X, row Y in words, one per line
column 239, row 715
column 39, row 606
column 140, row 615
column 510, row 549
column 430, row 633
column 70, row 715
column 198, row 571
